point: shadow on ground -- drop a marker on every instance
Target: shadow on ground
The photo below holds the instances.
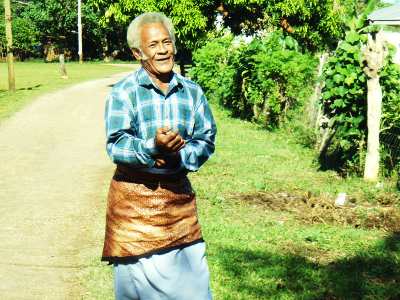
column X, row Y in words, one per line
column 372, row 274
column 23, row 89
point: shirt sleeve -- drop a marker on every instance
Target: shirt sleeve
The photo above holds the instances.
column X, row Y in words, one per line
column 202, row 142
column 123, row 146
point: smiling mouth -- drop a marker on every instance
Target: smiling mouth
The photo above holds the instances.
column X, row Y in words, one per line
column 163, row 59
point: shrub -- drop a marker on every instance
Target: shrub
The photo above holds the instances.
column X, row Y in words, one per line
column 281, row 80
column 390, row 126
column 260, row 81
column 344, row 102
column 209, row 60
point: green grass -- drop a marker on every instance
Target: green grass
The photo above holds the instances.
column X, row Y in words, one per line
column 256, row 253
column 36, row 78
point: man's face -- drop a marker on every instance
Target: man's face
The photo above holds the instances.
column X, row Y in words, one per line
column 158, row 48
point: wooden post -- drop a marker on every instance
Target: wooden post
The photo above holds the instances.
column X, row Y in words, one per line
column 10, row 55
column 80, row 50
column 374, row 55
column 63, row 70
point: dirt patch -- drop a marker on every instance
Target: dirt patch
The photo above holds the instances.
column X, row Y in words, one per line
column 312, row 209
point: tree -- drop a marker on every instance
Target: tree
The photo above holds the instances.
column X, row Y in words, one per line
column 57, row 20
column 352, row 100
column 374, row 54
column 38, row 22
column 25, row 33
column 10, row 58
column 191, row 18
column 314, row 24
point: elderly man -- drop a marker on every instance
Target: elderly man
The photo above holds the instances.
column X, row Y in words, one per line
column 159, row 127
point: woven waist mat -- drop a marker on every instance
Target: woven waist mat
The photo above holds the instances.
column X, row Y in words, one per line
column 148, row 216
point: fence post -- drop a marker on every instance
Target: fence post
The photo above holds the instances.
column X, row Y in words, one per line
column 63, row 69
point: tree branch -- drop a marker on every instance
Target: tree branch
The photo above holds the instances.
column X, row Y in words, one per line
column 21, row 2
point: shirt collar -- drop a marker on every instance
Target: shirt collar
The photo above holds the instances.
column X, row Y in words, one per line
column 144, row 79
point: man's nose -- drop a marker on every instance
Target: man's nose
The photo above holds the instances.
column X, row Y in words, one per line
column 161, row 48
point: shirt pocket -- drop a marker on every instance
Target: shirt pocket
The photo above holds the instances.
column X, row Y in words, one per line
column 186, row 122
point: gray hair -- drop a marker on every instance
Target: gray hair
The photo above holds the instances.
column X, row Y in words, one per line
column 134, row 29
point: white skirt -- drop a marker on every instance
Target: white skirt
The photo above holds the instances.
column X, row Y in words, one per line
column 179, row 274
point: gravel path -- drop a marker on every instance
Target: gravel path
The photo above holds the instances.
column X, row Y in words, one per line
column 52, row 162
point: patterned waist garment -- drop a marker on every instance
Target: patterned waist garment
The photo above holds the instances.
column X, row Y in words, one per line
column 147, row 214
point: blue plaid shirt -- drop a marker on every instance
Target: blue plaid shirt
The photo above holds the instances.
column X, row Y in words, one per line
column 136, row 108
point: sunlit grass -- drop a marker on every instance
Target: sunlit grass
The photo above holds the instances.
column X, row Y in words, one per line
column 36, row 78
column 255, row 253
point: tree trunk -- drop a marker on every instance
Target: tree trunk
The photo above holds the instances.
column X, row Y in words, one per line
column 326, row 139
column 10, row 55
column 80, row 51
column 371, row 169
column 374, row 55
column 315, row 108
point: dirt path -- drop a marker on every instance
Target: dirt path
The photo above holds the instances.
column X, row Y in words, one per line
column 52, row 162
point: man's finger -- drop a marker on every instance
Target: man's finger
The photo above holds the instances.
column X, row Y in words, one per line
column 178, row 146
column 160, row 162
column 170, row 137
column 174, row 142
column 167, row 141
column 165, row 130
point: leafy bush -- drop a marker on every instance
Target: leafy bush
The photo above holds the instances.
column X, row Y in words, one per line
column 260, row 81
column 26, row 38
column 211, row 62
column 390, row 126
column 281, row 81
column 344, row 102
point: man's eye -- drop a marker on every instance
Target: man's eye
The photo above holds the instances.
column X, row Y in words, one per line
column 167, row 42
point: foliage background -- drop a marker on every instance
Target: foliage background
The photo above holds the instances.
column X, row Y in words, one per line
column 315, row 24
column 38, row 23
column 260, row 81
column 344, row 101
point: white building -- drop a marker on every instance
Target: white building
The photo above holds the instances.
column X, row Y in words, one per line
column 389, row 16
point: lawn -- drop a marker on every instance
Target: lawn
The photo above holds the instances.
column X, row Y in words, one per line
column 260, row 251
column 36, row 78
column 256, row 252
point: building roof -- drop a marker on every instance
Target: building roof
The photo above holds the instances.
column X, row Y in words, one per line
column 388, row 15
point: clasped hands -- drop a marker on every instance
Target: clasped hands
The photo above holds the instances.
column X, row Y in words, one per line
column 168, row 142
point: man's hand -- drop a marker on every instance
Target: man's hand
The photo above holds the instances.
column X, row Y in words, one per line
column 167, row 160
column 160, row 162
column 168, row 141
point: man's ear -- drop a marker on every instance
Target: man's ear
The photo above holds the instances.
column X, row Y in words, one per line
column 137, row 53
